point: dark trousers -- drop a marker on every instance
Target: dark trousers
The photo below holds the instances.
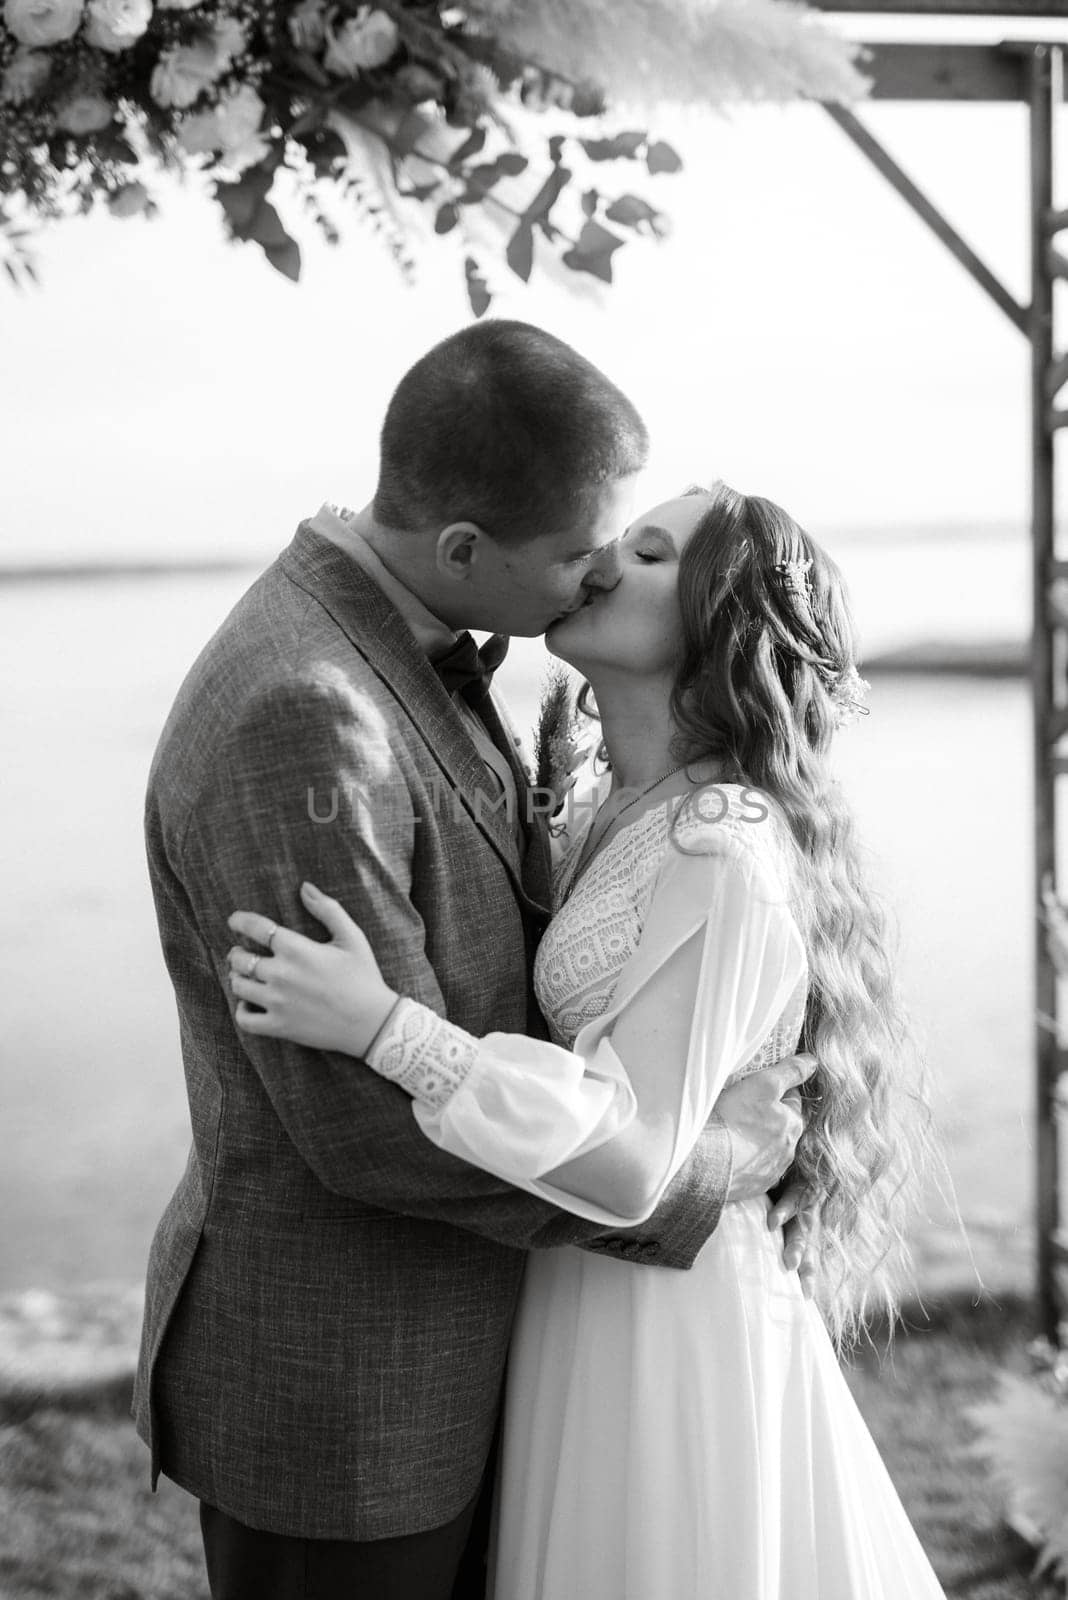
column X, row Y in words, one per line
column 445, row 1563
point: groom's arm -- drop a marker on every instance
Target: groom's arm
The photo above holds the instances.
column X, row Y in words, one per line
column 298, row 751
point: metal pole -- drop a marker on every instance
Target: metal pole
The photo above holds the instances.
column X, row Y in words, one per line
column 1045, row 74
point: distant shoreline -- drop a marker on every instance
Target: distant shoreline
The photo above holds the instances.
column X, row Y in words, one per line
column 77, row 572
column 975, row 658
column 864, row 538
column 995, row 658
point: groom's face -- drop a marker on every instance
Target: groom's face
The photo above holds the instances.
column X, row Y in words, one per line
column 523, row 589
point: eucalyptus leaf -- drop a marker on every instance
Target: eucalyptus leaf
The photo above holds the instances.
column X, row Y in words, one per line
column 633, row 212
column 487, row 174
column 622, row 147
column 285, row 258
column 520, row 252
column 473, row 145
column 477, row 289
column 662, row 157
column 537, row 213
column 593, row 252
column 242, row 200
column 266, row 228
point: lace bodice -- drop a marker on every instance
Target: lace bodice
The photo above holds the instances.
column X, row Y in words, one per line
column 598, row 919
column 674, row 964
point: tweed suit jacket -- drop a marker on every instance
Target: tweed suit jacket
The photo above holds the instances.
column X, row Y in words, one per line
column 329, row 1297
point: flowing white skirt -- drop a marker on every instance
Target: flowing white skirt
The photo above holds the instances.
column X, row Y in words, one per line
column 689, row 1436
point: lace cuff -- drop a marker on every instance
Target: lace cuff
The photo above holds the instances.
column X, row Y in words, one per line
column 423, row 1054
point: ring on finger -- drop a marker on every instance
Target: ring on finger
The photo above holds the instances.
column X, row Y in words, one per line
column 250, row 970
column 270, row 936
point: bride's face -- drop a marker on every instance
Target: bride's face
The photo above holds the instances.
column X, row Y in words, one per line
column 635, row 626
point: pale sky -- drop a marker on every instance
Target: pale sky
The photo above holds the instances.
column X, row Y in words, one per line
column 801, row 334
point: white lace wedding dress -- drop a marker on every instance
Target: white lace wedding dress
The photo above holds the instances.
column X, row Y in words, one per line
column 668, row 1435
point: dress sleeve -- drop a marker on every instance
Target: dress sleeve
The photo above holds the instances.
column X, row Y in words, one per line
column 601, row 1129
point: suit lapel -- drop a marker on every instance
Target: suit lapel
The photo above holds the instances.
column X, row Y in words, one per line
column 379, row 633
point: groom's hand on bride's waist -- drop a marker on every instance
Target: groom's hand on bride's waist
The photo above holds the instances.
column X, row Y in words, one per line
column 762, row 1113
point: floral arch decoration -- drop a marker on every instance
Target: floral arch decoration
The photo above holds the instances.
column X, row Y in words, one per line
column 486, row 119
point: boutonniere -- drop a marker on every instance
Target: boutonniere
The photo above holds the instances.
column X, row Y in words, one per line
column 559, row 753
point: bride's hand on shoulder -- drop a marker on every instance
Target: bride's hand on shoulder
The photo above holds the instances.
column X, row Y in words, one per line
column 329, row 995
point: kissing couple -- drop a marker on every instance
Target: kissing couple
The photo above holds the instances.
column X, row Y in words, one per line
column 527, row 1203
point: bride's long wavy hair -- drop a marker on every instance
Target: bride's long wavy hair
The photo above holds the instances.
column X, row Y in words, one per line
column 767, row 661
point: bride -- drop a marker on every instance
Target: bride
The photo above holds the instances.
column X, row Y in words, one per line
column 679, row 1435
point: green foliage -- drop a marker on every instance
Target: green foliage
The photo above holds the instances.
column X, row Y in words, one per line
column 410, row 101
column 413, row 101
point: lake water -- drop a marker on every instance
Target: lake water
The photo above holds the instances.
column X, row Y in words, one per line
column 92, row 1104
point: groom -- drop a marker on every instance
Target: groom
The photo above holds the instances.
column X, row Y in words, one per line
column 329, row 1296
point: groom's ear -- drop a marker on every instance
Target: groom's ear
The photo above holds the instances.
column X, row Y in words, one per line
column 457, row 549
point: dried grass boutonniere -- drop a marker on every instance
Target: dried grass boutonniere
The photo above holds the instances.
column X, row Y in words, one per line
column 559, row 754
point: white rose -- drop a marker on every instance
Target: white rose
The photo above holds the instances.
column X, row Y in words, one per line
column 41, row 22
column 307, row 28
column 366, row 40
column 198, row 135
column 85, row 112
column 115, row 25
column 232, row 128
column 25, row 76
column 183, row 73
column 239, row 115
column 249, row 153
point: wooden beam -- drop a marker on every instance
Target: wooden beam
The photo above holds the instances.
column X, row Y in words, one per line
column 946, row 8
column 939, row 225
column 945, row 72
column 1057, row 376
column 1046, row 92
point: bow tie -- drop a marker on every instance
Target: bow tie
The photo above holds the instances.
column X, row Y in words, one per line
column 469, row 669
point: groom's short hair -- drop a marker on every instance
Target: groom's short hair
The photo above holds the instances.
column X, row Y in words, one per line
column 508, row 427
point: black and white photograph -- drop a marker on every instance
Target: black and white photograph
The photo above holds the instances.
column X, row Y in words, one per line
column 534, row 932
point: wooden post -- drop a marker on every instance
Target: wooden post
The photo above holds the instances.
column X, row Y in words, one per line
column 1045, row 91
column 949, row 8
column 1031, row 71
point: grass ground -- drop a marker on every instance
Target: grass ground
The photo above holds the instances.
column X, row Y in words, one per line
column 77, row 1521
column 916, row 1402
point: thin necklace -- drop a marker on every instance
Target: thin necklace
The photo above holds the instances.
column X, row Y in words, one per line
column 592, row 842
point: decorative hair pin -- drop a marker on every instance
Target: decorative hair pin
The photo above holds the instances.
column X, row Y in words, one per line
column 795, row 578
column 849, row 690
column 848, row 697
